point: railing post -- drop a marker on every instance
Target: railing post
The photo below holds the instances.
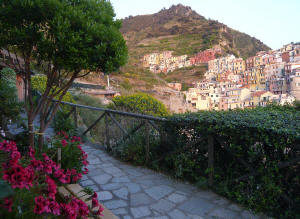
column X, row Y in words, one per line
column 75, row 117
column 147, row 140
column 211, row 160
column 107, row 132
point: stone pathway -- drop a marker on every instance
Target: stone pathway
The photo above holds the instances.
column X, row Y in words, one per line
column 135, row 192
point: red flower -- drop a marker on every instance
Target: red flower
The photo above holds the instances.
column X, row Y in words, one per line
column 64, row 142
column 95, row 195
column 8, row 204
column 95, row 202
column 41, row 205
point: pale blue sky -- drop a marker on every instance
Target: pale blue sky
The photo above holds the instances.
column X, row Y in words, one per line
column 274, row 22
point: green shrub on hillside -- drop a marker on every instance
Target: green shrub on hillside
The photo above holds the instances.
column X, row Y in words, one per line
column 140, row 103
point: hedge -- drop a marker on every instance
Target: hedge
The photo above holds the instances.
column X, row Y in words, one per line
column 254, row 155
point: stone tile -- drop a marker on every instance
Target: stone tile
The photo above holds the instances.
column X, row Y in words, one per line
column 96, row 172
column 191, row 216
column 104, row 196
column 140, row 199
column 223, row 213
column 134, row 172
column 120, row 211
column 234, row 207
column 105, row 165
column 95, row 188
column 248, row 215
column 133, row 187
column 111, row 186
column 112, row 170
column 140, row 212
column 177, row 214
column 221, row 201
column 163, row 206
column 206, row 195
column 102, row 179
column 114, row 204
column 196, row 206
column 86, row 183
column 146, row 183
column 158, row 217
column 121, row 193
column 176, row 198
column 94, row 161
column 123, row 179
column 159, row 192
column 84, row 177
column 184, row 187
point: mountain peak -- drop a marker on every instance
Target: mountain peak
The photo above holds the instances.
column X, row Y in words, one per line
column 180, row 10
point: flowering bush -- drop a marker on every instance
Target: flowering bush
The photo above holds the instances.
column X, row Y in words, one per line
column 36, row 181
column 73, row 157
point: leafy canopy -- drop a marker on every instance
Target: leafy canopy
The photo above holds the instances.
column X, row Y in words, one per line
column 72, row 35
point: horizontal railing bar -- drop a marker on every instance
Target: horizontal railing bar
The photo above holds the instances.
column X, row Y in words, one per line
column 136, row 115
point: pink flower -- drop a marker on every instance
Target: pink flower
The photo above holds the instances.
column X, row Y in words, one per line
column 8, row 204
column 41, row 205
column 64, row 142
column 54, row 207
column 86, row 170
column 31, row 152
column 95, row 195
column 100, row 210
column 51, row 187
column 95, row 202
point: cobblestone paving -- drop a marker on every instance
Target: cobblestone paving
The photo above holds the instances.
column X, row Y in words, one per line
column 135, row 192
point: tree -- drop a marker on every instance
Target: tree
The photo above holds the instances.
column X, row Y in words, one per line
column 67, row 39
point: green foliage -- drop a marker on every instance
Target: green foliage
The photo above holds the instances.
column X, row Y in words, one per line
column 140, row 103
column 39, row 83
column 73, row 35
column 10, row 108
column 62, row 123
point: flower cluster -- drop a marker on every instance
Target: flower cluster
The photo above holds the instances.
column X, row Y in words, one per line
column 72, row 145
column 43, row 172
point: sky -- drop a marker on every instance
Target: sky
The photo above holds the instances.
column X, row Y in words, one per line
column 274, row 22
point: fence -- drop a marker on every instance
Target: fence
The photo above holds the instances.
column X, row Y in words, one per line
column 112, row 127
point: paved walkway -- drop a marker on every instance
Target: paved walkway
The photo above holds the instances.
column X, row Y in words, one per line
column 135, row 192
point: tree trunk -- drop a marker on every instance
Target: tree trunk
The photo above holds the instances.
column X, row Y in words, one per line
column 29, row 102
column 41, row 133
column 31, row 131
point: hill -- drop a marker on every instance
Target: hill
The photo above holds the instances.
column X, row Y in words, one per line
column 178, row 29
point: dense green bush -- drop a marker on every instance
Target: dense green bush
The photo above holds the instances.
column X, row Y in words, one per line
column 140, row 103
column 258, row 144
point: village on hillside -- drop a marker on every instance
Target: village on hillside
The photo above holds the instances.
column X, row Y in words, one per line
column 231, row 82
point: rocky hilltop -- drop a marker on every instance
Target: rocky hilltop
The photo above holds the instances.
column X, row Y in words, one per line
column 185, row 31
